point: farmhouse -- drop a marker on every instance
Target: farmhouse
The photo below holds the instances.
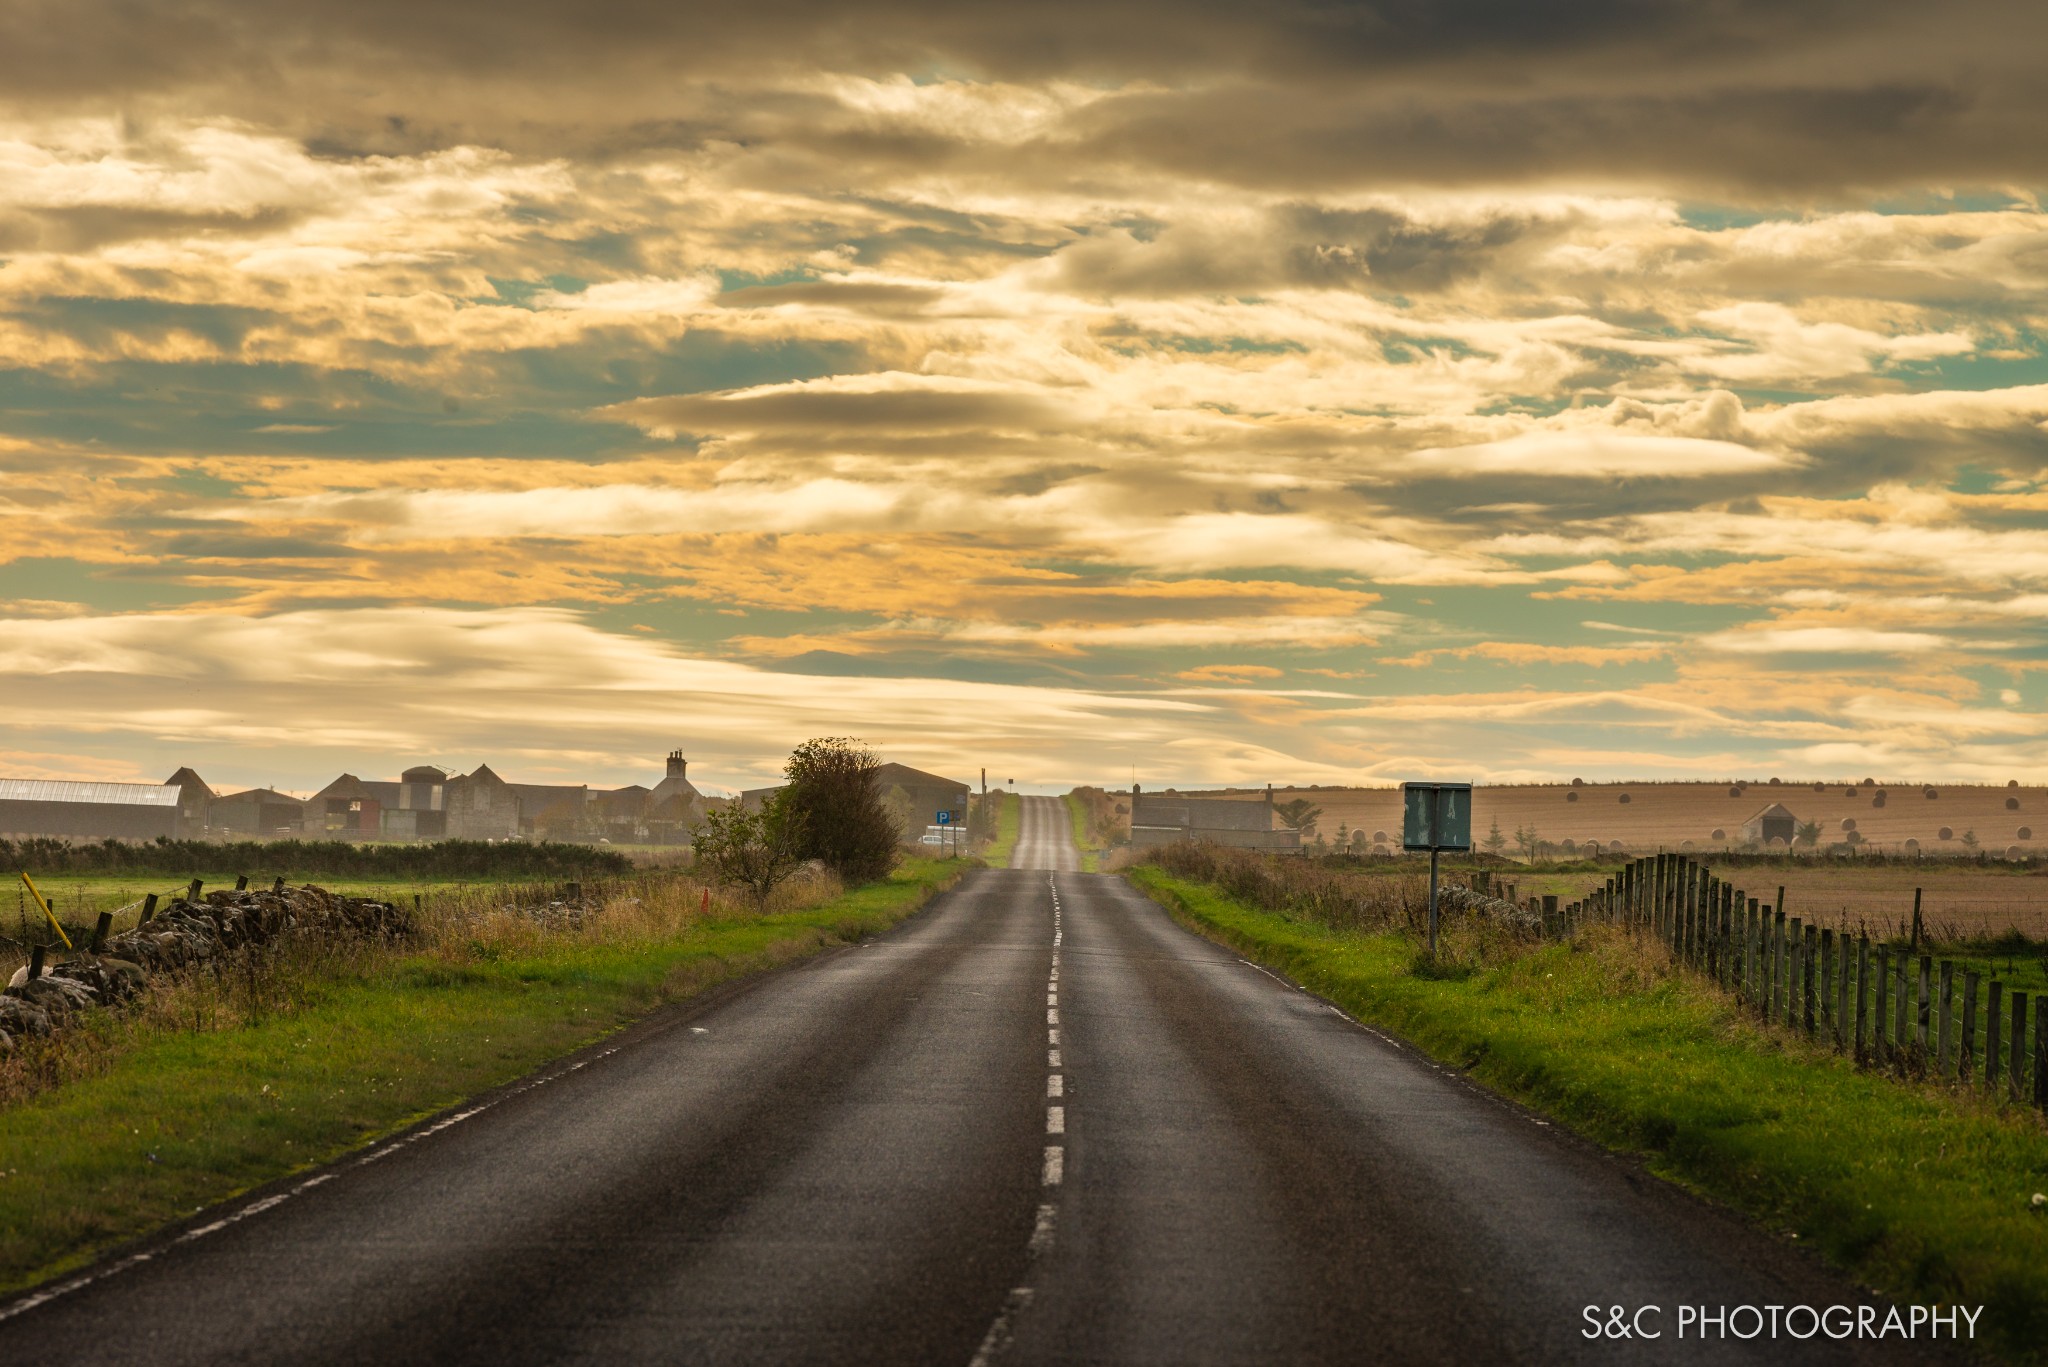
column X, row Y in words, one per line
column 1774, row 822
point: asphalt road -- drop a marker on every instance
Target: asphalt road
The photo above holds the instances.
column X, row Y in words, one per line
column 1040, row 1123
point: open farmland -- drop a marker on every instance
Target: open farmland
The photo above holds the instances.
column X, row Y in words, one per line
column 1641, row 818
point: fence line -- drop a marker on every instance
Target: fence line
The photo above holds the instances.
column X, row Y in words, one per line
column 1901, row 1011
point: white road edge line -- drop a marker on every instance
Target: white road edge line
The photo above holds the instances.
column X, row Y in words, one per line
column 276, row 1199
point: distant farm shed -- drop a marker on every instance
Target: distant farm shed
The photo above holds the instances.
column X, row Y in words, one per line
column 1774, row 822
column 1167, row 818
column 94, row 811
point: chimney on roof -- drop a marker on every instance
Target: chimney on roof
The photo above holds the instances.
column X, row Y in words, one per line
column 678, row 767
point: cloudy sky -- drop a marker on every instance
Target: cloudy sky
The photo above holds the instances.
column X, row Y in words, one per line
column 1304, row 391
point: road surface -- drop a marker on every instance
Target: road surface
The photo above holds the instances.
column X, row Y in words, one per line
column 1038, row 1124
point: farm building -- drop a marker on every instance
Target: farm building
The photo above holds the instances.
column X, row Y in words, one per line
column 481, row 806
column 1164, row 818
column 91, row 811
column 1774, row 822
column 257, row 814
column 195, row 801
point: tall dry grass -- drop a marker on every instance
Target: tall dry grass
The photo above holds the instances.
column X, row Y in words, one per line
column 525, row 922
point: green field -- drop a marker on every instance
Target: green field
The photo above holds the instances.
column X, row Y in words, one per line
column 1922, row 1192
column 174, row 1114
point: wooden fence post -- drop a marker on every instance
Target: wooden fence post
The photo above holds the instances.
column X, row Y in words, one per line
column 1795, row 941
column 2040, row 1058
column 1945, row 987
column 1916, row 919
column 192, row 892
column 35, row 962
column 1842, row 980
column 1730, row 953
column 148, row 909
column 1549, row 916
column 1830, row 1022
column 1920, row 1020
column 277, row 885
column 2018, row 1044
column 241, row 882
column 1806, row 978
column 1994, row 1022
column 1880, row 1047
column 1902, row 1032
column 1862, row 998
column 1966, row 1055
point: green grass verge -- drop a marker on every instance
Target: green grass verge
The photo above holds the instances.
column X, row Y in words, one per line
column 1916, row 1191
column 186, row 1119
column 1084, row 840
column 1009, row 820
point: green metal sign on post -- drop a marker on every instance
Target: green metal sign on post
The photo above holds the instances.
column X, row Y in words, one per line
column 1434, row 817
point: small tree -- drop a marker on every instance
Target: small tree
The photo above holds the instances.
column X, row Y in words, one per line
column 1969, row 840
column 832, row 788
column 755, row 851
column 1528, row 842
column 1495, row 842
column 1808, row 833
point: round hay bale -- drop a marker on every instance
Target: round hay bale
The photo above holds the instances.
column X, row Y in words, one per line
column 1685, row 844
column 1578, row 783
column 1877, row 798
column 1379, row 837
column 1945, row 833
column 2012, row 852
column 1911, row 843
column 1720, row 834
column 1930, row 793
column 1848, row 823
column 2025, row 833
column 1571, row 797
column 1567, row 845
column 2012, row 804
column 1776, row 781
column 1736, row 791
column 1623, row 798
column 1820, row 787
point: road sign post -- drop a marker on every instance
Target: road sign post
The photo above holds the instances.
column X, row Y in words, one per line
column 1435, row 817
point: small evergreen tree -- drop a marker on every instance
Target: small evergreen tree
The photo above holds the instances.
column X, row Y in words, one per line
column 1495, row 842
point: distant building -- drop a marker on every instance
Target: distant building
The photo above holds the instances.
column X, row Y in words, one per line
column 481, row 806
column 1246, row 823
column 349, row 808
column 421, row 812
column 195, row 801
column 1774, row 822
column 674, row 806
column 88, row 811
column 257, row 814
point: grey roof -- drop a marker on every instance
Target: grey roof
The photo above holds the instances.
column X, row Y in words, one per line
column 109, row 794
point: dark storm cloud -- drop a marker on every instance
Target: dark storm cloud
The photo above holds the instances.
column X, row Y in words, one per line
column 1733, row 95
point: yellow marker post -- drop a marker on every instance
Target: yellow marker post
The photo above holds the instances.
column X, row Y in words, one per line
column 46, row 909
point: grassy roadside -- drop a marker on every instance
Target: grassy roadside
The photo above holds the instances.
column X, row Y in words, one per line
column 1084, row 838
column 1916, row 1191
column 182, row 1119
column 1009, row 820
